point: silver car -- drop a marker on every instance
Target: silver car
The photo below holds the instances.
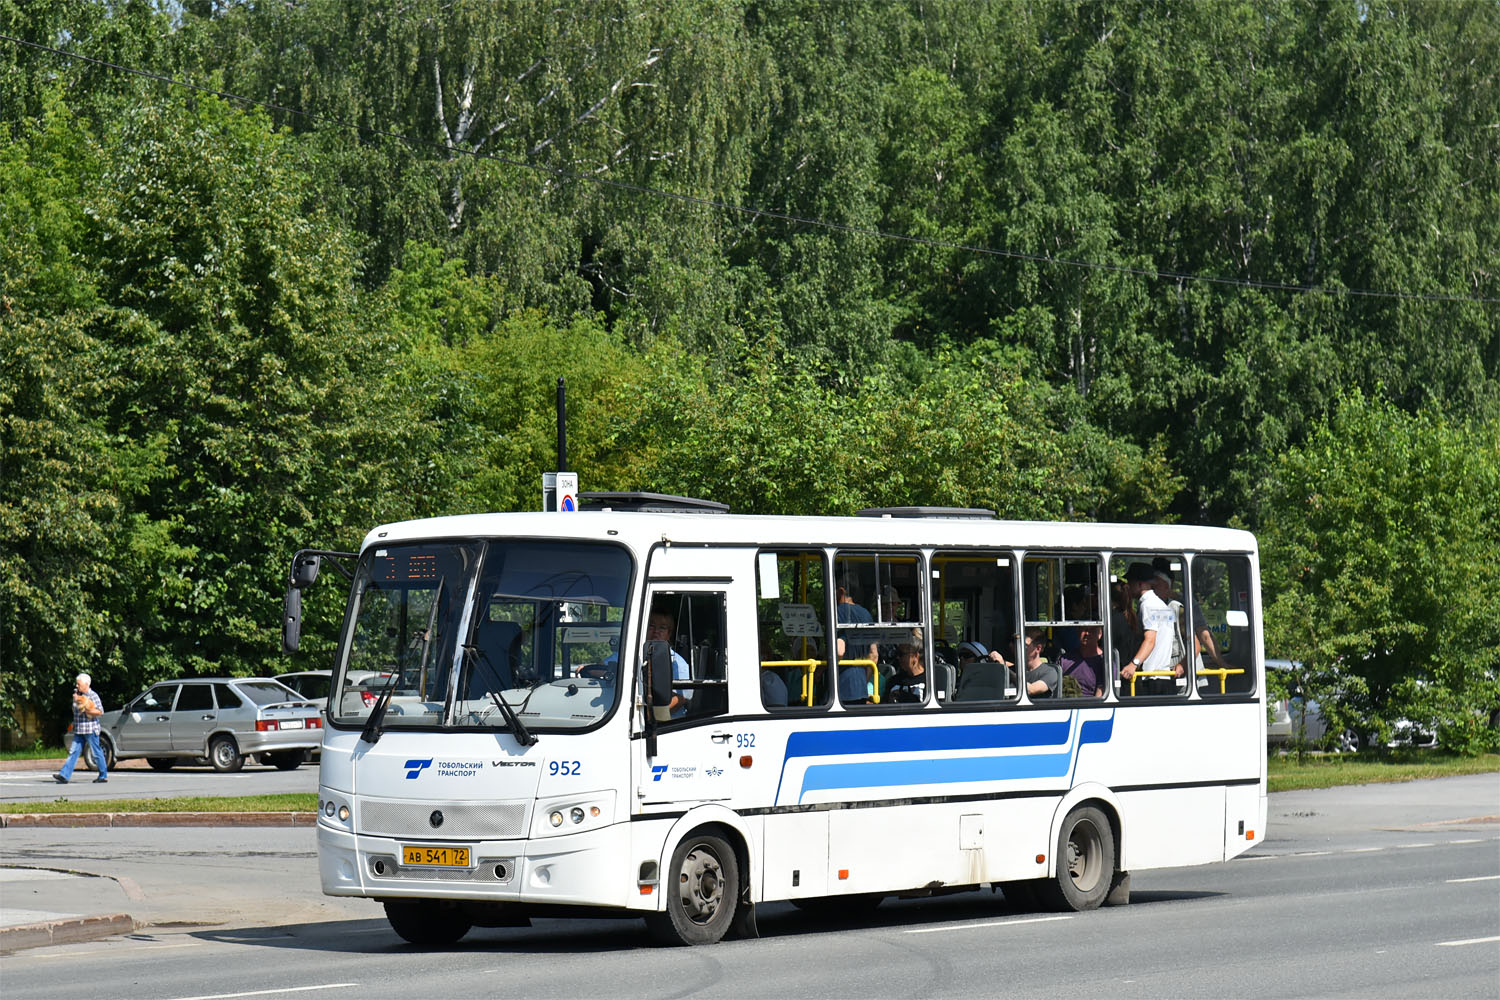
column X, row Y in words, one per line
column 223, row 719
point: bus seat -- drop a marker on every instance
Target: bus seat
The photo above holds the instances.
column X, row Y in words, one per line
column 946, row 675
column 983, row 680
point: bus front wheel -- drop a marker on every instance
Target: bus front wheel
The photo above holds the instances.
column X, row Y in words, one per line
column 702, row 888
column 426, row 922
column 1085, row 862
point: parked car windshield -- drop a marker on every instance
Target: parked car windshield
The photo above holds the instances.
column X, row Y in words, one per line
column 460, row 624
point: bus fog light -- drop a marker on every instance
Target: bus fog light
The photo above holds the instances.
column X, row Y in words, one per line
column 577, row 814
column 556, row 818
column 328, row 809
column 344, row 813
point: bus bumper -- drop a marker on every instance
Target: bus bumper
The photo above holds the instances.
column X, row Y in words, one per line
column 589, row 868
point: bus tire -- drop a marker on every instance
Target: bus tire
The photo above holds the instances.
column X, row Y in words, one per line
column 426, row 922
column 702, row 890
column 1085, row 862
column 224, row 754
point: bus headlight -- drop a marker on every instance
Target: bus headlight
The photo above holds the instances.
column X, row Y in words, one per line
column 334, row 811
column 577, row 814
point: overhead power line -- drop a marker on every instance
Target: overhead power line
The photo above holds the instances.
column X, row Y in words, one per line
column 757, row 213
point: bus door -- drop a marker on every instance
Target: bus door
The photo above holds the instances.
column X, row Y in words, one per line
column 695, row 751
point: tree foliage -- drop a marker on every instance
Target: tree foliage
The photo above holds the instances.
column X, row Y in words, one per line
column 1380, row 538
column 236, row 327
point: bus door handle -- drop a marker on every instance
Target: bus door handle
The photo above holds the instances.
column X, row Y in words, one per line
column 720, row 737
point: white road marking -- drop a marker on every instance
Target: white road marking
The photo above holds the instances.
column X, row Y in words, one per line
column 1456, row 944
column 1402, row 846
column 1310, row 854
column 1476, row 878
column 265, row 993
column 992, row 923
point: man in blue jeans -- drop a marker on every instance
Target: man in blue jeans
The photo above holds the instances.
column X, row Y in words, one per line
column 86, row 711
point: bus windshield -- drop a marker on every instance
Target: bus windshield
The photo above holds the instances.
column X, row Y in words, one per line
column 445, row 630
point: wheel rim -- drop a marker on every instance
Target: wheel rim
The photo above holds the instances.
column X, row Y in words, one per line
column 224, row 753
column 1085, row 859
column 700, row 884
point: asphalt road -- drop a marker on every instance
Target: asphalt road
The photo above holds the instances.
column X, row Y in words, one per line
column 1389, row 891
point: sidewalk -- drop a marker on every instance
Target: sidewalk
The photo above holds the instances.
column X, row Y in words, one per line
column 69, row 878
column 42, row 907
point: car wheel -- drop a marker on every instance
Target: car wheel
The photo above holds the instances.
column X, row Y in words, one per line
column 426, row 922
column 702, row 888
column 224, row 754
column 286, row 760
column 161, row 763
column 1085, row 862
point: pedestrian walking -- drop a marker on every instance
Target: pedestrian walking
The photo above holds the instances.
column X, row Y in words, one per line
column 86, row 711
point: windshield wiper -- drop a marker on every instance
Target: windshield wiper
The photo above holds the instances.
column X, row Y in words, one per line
column 512, row 720
column 371, row 733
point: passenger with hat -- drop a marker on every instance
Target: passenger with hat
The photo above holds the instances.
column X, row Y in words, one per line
column 1158, row 626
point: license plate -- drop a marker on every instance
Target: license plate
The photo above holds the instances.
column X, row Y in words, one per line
column 291, row 723
column 438, row 857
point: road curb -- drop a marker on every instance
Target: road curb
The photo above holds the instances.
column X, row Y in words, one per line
column 70, row 930
column 117, row 819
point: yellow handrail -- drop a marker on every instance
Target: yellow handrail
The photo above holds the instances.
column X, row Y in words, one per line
column 870, row 666
column 1149, row 673
column 810, row 666
column 1222, row 673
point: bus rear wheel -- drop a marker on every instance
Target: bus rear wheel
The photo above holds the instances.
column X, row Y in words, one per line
column 1085, row 862
column 702, row 888
column 426, row 922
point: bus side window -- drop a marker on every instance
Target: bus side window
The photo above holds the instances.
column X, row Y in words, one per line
column 1220, row 626
column 791, row 607
column 974, row 622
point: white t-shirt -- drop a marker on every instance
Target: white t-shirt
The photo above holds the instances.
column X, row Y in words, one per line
column 1157, row 617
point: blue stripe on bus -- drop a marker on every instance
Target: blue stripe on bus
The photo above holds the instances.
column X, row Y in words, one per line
column 993, row 737
column 868, row 774
column 938, row 771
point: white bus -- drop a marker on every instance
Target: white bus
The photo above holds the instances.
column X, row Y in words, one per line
column 661, row 708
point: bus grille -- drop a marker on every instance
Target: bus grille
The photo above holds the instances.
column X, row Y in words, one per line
column 502, row 870
column 465, row 820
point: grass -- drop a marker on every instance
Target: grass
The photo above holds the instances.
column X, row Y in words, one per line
column 34, row 753
column 1286, row 774
column 290, row 802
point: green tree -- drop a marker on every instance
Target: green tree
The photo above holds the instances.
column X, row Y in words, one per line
column 1380, row 573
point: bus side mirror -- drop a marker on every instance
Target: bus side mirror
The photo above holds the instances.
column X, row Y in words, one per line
column 305, row 568
column 291, row 620
column 658, row 661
